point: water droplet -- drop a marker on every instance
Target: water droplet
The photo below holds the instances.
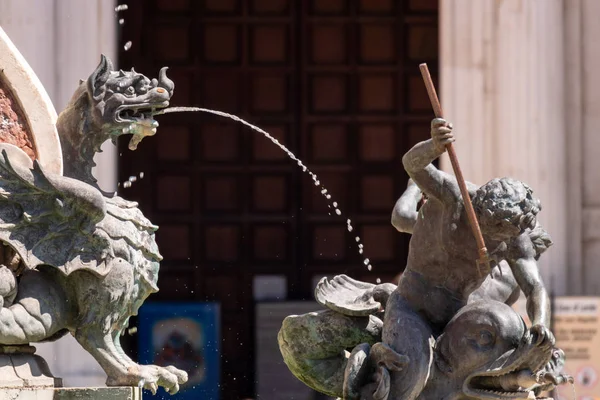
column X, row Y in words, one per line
column 121, row 21
column 378, row 280
column 369, row 267
column 127, row 45
column 338, row 212
column 357, row 239
column 141, row 175
column 335, row 203
column 121, row 7
column 127, row 184
column 350, row 229
column 366, row 261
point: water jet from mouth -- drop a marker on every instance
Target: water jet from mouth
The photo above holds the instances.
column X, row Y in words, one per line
column 324, row 192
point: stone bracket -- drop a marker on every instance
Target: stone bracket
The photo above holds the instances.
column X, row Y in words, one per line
column 23, row 370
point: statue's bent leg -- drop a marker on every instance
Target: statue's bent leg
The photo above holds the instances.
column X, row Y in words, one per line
column 315, row 346
column 408, row 352
column 100, row 327
column 19, row 327
column 38, row 312
column 8, row 286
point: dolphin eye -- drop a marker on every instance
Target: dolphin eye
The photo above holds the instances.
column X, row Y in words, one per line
column 485, row 338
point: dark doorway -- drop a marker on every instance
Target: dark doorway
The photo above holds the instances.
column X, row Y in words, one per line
column 336, row 81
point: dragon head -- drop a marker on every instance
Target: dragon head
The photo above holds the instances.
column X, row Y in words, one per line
column 489, row 354
column 107, row 105
column 125, row 102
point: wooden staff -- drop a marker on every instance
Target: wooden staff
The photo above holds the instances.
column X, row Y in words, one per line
column 484, row 258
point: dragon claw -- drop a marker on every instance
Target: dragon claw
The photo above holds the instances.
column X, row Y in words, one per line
column 153, row 387
column 182, row 376
column 150, row 377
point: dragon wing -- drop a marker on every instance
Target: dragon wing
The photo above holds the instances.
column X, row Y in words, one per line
column 347, row 296
column 48, row 218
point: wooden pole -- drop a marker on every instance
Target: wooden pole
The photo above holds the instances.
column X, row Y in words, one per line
column 437, row 110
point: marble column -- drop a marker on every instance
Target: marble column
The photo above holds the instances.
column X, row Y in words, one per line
column 84, row 30
column 62, row 41
column 30, row 26
column 586, row 13
column 503, row 87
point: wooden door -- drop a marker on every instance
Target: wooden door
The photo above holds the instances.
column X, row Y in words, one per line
column 337, row 82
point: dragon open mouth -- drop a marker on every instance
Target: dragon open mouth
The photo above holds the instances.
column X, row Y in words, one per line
column 139, row 112
column 139, row 120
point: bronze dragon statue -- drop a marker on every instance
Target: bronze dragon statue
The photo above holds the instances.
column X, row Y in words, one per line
column 75, row 259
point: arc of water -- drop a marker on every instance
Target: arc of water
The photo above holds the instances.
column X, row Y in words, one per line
column 314, row 177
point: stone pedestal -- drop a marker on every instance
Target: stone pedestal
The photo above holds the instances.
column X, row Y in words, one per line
column 104, row 393
column 21, row 368
column 26, row 376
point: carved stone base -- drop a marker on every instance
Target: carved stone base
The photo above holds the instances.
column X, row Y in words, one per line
column 26, row 376
column 100, row 393
column 21, row 368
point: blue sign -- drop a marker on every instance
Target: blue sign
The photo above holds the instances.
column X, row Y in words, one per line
column 185, row 335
